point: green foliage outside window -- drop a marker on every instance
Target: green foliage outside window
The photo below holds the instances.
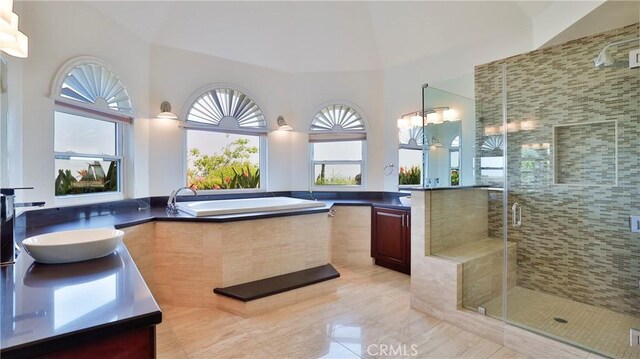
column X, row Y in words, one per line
column 409, row 175
column 230, row 168
column 455, row 177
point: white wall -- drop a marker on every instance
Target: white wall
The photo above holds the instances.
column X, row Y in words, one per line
column 58, row 32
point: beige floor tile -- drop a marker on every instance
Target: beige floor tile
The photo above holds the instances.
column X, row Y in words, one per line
column 369, row 316
column 168, row 346
column 448, row 341
column 506, row 353
column 364, row 336
column 307, row 343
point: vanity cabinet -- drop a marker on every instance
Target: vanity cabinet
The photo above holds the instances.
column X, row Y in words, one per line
column 391, row 238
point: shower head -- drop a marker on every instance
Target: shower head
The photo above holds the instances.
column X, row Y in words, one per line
column 605, row 60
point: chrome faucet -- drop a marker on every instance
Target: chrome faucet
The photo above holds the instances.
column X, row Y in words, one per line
column 8, row 250
column 171, row 203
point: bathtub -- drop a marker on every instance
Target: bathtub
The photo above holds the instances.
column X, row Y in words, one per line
column 245, row 205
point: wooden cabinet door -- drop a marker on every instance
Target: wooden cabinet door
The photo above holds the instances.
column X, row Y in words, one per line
column 389, row 232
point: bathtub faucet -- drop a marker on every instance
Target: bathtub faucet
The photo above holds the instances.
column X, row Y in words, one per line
column 171, row 203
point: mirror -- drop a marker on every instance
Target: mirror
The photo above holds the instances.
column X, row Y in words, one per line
column 449, row 133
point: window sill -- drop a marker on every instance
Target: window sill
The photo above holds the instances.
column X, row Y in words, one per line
column 79, row 199
column 338, row 188
column 214, row 192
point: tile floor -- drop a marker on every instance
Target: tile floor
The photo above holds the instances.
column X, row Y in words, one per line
column 369, row 316
column 600, row 330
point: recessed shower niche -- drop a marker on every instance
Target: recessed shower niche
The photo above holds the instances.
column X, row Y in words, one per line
column 586, row 153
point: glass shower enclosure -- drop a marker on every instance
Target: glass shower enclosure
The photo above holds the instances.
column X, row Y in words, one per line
column 556, row 145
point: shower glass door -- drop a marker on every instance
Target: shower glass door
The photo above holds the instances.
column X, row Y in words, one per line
column 571, row 135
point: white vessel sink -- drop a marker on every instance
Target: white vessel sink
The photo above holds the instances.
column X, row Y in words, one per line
column 406, row 201
column 72, row 246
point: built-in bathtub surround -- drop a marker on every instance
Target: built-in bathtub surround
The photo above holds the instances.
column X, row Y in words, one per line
column 193, row 258
column 183, row 262
column 141, row 245
column 564, row 118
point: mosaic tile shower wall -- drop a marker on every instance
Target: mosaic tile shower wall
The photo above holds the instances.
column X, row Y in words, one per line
column 575, row 240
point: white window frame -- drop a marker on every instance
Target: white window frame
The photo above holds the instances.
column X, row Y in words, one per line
column 95, row 111
column 362, row 163
column 339, row 135
column 119, row 140
column 260, row 132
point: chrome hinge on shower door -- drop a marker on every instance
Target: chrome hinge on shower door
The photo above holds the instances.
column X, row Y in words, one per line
column 634, row 337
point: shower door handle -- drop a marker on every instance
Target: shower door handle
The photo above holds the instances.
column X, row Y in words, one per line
column 516, row 215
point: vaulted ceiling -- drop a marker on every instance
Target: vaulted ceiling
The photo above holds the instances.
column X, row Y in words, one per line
column 315, row 36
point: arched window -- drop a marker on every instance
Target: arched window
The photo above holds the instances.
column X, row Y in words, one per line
column 226, row 140
column 92, row 109
column 226, row 109
column 337, row 145
column 410, row 156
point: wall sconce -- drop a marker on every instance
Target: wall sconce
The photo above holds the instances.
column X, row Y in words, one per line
column 283, row 125
column 165, row 111
column 12, row 41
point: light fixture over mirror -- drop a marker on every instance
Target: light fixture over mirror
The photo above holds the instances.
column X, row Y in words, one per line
column 165, row 111
column 12, row 41
column 283, row 125
column 434, row 116
column 410, row 120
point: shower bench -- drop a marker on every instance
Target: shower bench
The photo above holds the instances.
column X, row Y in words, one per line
column 482, row 261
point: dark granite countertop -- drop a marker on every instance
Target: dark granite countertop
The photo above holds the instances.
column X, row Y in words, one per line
column 131, row 216
column 49, row 306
